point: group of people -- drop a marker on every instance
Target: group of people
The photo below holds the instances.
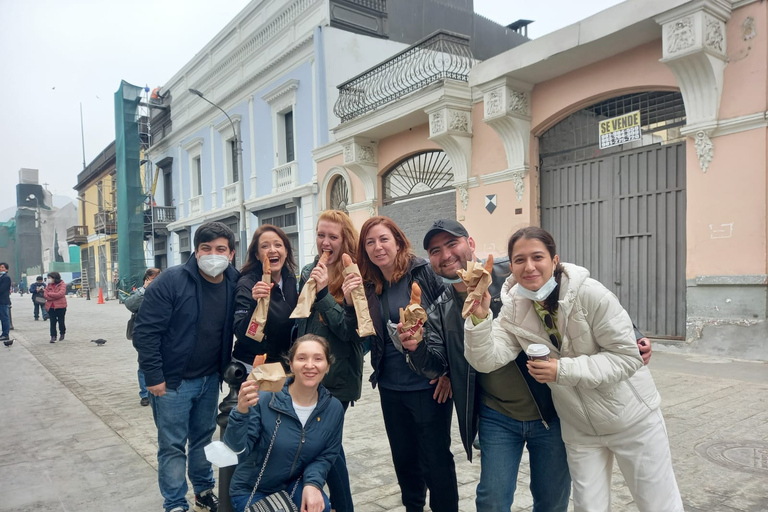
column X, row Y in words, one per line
column 49, row 299
column 592, row 401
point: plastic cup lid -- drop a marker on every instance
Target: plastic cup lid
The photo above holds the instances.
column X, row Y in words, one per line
column 536, row 349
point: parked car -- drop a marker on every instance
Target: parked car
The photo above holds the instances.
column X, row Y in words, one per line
column 74, row 286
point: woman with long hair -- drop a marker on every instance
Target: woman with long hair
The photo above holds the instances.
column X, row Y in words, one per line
column 297, row 430
column 606, row 398
column 333, row 318
column 56, row 304
column 417, row 425
column 269, row 242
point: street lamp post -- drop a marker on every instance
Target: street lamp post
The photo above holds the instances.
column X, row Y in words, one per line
column 237, row 162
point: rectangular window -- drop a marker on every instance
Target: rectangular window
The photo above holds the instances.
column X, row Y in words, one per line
column 233, row 160
column 167, row 187
column 100, row 194
column 289, row 151
column 197, row 186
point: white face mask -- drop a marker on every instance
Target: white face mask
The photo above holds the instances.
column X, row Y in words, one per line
column 50, row 281
column 213, row 264
column 540, row 294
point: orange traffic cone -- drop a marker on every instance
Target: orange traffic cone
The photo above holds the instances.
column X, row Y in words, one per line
column 101, row 297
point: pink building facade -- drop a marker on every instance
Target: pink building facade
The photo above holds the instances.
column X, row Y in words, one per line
column 671, row 217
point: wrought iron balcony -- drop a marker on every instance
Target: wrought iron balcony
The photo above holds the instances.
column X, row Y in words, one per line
column 77, row 235
column 439, row 56
column 157, row 218
column 105, row 222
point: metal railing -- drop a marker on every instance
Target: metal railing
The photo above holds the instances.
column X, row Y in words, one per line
column 439, row 56
column 105, row 222
column 160, row 215
column 77, row 235
column 285, row 177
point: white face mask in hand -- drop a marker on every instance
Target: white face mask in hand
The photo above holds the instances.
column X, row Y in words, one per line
column 213, row 264
column 540, row 294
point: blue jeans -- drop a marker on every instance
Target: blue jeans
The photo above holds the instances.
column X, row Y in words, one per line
column 5, row 319
column 239, row 502
column 501, row 441
column 143, row 393
column 38, row 309
column 186, row 414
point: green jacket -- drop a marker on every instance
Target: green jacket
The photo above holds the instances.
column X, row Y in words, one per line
column 339, row 327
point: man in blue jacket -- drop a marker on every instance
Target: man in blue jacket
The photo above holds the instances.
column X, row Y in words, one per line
column 183, row 334
column 5, row 301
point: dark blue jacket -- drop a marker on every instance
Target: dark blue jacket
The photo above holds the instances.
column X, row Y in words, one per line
column 166, row 325
column 309, row 450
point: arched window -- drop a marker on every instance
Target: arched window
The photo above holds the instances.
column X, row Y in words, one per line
column 420, row 174
column 339, row 195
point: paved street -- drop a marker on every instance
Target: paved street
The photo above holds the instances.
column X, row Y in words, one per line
column 74, row 437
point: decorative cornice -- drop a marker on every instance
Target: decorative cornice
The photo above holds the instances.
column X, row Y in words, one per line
column 497, row 177
column 224, row 126
column 288, row 87
column 328, row 151
column 366, row 206
column 740, row 124
column 450, row 126
column 268, row 201
column 192, row 144
column 257, row 41
column 360, row 158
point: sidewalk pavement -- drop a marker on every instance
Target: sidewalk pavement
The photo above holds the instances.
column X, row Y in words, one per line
column 74, row 437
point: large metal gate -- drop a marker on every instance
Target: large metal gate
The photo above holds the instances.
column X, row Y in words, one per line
column 620, row 211
column 622, row 216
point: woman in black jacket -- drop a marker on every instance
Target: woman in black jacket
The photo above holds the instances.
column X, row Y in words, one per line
column 418, row 426
column 270, row 242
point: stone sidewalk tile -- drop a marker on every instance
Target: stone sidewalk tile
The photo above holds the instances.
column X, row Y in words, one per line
column 705, row 399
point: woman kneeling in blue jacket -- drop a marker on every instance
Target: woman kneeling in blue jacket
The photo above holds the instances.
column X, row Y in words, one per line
column 308, row 438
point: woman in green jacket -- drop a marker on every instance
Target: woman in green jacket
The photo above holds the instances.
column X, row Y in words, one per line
column 334, row 319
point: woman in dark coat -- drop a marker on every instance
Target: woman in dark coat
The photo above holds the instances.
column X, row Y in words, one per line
column 267, row 242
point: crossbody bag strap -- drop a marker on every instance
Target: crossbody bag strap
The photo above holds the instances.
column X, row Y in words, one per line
column 264, row 466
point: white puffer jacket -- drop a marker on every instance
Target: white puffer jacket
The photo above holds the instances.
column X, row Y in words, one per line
column 602, row 386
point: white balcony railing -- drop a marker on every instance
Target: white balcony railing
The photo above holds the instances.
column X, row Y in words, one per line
column 285, row 177
column 230, row 195
column 196, row 205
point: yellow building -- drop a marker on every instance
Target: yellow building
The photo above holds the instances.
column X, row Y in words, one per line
column 96, row 233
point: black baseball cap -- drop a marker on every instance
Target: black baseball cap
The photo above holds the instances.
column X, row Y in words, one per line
column 447, row 225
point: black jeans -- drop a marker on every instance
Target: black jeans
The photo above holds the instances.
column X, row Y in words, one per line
column 419, row 432
column 339, row 491
column 57, row 315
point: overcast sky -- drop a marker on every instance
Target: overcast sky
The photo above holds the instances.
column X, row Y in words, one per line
column 57, row 54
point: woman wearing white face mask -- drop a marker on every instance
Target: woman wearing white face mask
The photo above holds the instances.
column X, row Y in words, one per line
column 606, row 399
column 56, row 304
column 267, row 242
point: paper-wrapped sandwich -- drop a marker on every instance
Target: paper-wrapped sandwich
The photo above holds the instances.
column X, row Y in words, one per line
column 308, row 294
column 270, row 376
column 259, row 317
column 364, row 323
column 413, row 315
column 478, row 277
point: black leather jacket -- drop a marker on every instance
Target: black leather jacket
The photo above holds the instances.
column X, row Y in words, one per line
column 431, row 288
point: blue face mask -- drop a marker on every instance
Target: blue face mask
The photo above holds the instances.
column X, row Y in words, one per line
column 2, row 272
column 540, row 294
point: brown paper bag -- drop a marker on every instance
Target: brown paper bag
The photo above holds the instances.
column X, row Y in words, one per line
column 478, row 276
column 364, row 322
column 259, row 318
column 308, row 294
column 270, row 376
column 413, row 317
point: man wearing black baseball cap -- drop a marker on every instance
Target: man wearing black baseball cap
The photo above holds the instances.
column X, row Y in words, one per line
column 501, row 405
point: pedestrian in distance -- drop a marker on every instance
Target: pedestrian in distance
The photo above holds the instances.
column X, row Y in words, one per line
column 56, row 304
column 604, row 395
column 297, row 430
column 183, row 334
column 272, row 243
column 507, row 407
column 333, row 317
column 5, row 301
column 38, row 298
column 133, row 303
column 417, row 425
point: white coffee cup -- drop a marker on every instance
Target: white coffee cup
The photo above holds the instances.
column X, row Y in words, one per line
column 536, row 351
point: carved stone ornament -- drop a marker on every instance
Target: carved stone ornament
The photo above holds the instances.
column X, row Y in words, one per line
column 365, row 154
column 748, row 28
column 437, row 123
column 371, row 210
column 518, row 102
column 459, row 121
column 517, row 179
column 493, row 103
column 704, row 149
column 348, row 156
column 463, row 195
column 713, row 37
column 681, row 35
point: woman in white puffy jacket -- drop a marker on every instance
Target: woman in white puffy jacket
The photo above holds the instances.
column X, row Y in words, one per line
column 606, row 399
